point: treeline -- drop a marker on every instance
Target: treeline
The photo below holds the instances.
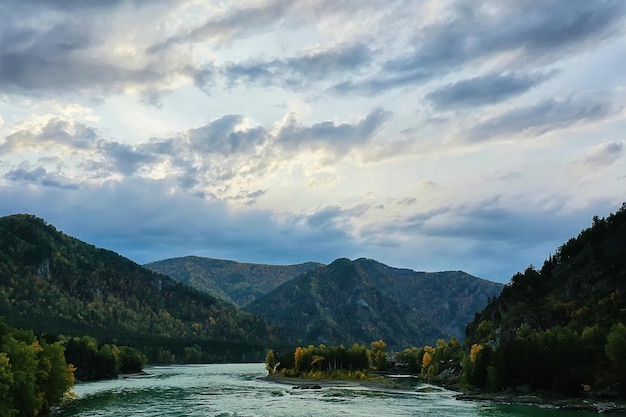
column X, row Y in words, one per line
column 560, row 359
column 326, row 361
column 431, row 361
column 34, row 375
column 441, row 363
column 95, row 361
column 559, row 328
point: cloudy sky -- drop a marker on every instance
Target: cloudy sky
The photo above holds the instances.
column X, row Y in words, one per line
column 428, row 134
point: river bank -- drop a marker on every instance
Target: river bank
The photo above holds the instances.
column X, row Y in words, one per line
column 566, row 404
column 391, row 383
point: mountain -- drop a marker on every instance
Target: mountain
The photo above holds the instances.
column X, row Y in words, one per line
column 235, row 282
column 53, row 283
column 361, row 301
column 561, row 328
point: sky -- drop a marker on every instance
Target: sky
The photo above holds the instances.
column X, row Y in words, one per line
column 474, row 135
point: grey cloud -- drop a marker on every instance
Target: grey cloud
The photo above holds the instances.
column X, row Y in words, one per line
column 539, row 118
column 324, row 217
column 383, row 81
column 331, row 136
column 68, row 5
column 249, row 198
column 222, row 136
column 471, row 233
column 125, row 158
column 61, row 50
column 298, row 71
column 331, row 217
column 493, row 221
column 483, row 90
column 535, row 29
column 144, row 220
column 55, row 132
column 38, row 175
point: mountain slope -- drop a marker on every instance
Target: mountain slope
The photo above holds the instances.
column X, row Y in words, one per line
column 235, row 282
column 584, row 283
column 561, row 328
column 360, row 301
column 53, row 283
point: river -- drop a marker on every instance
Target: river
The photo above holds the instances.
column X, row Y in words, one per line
column 240, row 390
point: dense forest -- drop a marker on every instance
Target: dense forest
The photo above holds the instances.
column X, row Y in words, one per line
column 560, row 328
column 236, row 282
column 350, row 302
column 53, row 283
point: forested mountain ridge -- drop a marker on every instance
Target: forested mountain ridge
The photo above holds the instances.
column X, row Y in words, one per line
column 561, row 327
column 360, row 301
column 53, row 283
column 236, row 282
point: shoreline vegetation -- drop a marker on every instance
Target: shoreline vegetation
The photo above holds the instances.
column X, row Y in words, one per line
column 445, row 367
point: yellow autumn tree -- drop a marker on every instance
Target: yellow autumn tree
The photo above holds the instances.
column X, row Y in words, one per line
column 378, row 355
column 297, row 356
column 426, row 360
column 476, row 348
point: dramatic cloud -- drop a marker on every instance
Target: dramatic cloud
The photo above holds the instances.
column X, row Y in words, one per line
column 473, row 135
column 534, row 32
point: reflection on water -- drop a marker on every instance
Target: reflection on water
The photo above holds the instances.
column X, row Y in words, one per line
column 240, row 390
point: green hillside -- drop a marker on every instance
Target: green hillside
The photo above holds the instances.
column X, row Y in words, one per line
column 360, row 301
column 235, row 282
column 53, row 283
column 561, row 328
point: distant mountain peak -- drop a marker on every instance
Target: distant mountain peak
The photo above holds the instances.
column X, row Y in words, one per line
column 359, row 301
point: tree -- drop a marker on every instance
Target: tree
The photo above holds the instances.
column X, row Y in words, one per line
column 426, row 360
column 378, row 355
column 482, row 361
column 270, row 361
column 615, row 349
column 55, row 377
column 475, row 349
column 23, row 364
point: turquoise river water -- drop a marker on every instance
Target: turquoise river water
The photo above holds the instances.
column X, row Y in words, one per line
column 240, row 390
